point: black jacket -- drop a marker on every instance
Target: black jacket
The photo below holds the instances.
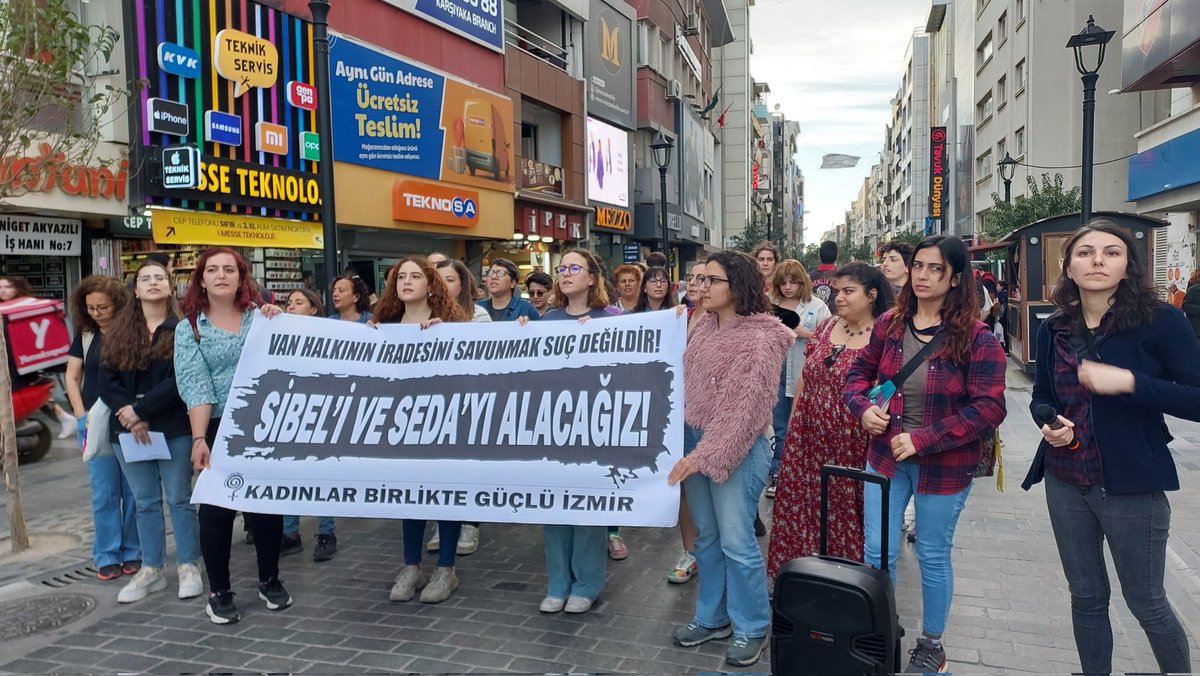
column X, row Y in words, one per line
column 1191, row 306
column 152, row 392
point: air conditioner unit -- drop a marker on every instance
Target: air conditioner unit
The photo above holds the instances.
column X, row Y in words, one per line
column 674, row 90
column 692, row 24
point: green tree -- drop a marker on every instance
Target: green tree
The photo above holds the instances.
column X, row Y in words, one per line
column 1048, row 199
column 756, row 233
column 46, row 99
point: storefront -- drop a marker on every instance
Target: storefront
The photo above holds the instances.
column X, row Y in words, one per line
column 545, row 228
column 610, row 237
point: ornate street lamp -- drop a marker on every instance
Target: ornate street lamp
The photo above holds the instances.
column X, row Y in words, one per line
column 662, row 157
column 1089, row 46
column 1007, row 167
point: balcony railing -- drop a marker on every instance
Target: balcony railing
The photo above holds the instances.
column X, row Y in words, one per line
column 536, row 45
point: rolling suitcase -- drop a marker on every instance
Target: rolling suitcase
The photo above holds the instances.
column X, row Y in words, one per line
column 834, row 615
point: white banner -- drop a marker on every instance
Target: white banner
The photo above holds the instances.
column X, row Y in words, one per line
column 26, row 235
column 550, row 423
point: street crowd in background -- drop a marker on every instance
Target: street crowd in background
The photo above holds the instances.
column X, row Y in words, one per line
column 898, row 369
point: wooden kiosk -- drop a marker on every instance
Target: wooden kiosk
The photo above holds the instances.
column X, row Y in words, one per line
column 1032, row 267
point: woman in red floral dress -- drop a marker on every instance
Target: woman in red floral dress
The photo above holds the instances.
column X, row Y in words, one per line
column 823, row 431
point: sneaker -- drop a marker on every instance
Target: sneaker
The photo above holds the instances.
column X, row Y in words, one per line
column 110, row 572
column 683, row 571
column 771, row 487
column 468, row 540
column 408, row 583
column 760, row 529
column 441, row 586
column 145, row 582
column 131, row 567
column 190, row 584
column 274, row 594
column 552, row 604
column 326, row 547
column 221, row 609
column 693, row 634
column 617, row 551
column 912, row 533
column 927, row 658
column 435, row 543
column 70, row 426
column 578, row 604
column 290, row 544
column 745, row 651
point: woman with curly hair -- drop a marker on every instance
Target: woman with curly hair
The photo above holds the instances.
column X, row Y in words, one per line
column 928, row 436
column 116, row 549
column 221, row 302
column 137, row 372
column 351, row 299
column 417, row 294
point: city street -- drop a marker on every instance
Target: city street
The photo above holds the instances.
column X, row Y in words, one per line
column 1010, row 614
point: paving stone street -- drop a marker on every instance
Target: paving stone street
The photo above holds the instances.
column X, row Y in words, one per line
column 1010, row 614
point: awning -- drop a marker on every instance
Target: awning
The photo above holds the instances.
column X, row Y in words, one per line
column 551, row 201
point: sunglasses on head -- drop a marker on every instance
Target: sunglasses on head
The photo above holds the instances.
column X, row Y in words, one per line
column 833, row 355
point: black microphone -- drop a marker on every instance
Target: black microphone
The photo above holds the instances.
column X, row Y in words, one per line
column 1047, row 415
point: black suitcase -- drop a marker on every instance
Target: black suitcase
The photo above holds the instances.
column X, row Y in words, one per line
column 834, row 615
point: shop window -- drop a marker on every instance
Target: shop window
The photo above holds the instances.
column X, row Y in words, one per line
column 529, row 149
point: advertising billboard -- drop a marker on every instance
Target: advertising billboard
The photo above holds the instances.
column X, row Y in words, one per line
column 937, row 171
column 219, row 79
column 608, row 65
column 1160, row 47
column 692, row 162
column 394, row 114
column 480, row 21
column 607, row 163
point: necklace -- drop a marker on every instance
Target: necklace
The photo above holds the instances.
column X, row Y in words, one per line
column 846, row 328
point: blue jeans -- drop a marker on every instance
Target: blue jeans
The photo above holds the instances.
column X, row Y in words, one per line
column 291, row 525
column 733, row 579
column 113, row 512
column 414, row 541
column 938, row 516
column 779, row 420
column 1136, row 528
column 576, row 557
column 148, row 480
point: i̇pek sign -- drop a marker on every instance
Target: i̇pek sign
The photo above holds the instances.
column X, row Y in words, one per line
column 937, row 171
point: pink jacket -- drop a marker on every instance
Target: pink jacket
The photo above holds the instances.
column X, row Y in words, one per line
column 730, row 385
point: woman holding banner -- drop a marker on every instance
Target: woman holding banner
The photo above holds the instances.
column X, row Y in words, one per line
column 221, row 302
column 417, row 294
column 137, row 376
column 726, row 457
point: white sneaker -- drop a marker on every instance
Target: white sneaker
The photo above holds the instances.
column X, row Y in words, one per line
column 408, row 583
column 146, row 581
column 190, row 584
column 578, row 604
column 69, row 426
column 552, row 604
column 441, row 586
column 468, row 540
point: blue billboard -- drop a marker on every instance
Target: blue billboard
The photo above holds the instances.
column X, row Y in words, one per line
column 480, row 21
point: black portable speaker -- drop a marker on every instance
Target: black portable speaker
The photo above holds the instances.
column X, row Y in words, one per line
column 834, row 615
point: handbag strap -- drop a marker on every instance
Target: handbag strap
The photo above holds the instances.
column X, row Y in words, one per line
column 916, row 360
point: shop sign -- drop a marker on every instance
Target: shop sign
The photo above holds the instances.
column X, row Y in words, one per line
column 310, row 146
column 937, row 171
column 130, row 226
column 245, row 183
column 222, row 128
column 608, row 63
column 271, row 138
column 302, row 95
column 633, row 253
column 25, row 235
column 422, row 202
column 46, row 173
column 481, row 21
column 686, row 51
column 176, row 226
column 164, row 116
column 180, row 167
column 400, row 116
column 542, row 178
column 616, row 219
column 246, row 60
column 178, row 60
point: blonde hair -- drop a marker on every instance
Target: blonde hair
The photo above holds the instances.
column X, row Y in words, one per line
column 791, row 269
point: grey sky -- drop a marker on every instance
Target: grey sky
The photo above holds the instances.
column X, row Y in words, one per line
column 834, row 66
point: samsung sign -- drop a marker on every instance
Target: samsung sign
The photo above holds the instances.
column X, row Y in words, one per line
column 480, row 21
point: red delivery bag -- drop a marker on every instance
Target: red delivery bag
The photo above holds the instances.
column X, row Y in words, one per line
column 37, row 333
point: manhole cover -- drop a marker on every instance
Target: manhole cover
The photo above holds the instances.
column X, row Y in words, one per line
column 25, row 617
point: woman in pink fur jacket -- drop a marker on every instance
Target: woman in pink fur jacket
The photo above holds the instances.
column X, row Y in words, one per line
column 731, row 381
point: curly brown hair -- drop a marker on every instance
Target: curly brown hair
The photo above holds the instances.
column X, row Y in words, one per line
column 960, row 308
column 128, row 345
column 441, row 305
column 745, row 282
column 597, row 292
column 112, row 287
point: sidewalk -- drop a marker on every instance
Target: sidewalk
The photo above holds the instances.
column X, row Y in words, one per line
column 1011, row 610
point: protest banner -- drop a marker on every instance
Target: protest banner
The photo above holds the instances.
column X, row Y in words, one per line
column 551, row 423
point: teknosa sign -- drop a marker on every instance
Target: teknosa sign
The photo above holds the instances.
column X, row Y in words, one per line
column 937, row 171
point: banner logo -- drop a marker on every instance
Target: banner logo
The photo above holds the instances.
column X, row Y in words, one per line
column 271, row 138
column 178, row 60
column 222, row 128
column 433, row 203
column 302, row 95
column 247, row 60
column 180, row 167
column 310, row 146
column 617, row 219
column 610, row 50
column 937, row 171
column 167, row 117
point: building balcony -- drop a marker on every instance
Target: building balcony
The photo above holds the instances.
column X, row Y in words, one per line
column 538, row 46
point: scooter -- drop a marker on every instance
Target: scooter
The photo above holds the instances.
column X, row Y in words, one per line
column 33, row 434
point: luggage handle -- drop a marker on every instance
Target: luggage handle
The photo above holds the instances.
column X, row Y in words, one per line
column 866, row 477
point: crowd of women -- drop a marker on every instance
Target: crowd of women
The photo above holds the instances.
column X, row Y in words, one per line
column 896, row 373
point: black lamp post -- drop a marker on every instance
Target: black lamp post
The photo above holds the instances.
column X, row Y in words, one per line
column 769, row 203
column 1007, row 167
column 662, row 157
column 1091, row 36
column 320, row 17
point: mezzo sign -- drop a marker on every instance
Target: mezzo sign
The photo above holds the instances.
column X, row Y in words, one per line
column 180, row 167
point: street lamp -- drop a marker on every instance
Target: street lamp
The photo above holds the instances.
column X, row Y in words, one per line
column 768, row 203
column 1092, row 36
column 662, row 157
column 1007, row 167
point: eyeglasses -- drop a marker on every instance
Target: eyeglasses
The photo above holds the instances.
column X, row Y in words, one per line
column 146, row 279
column 657, row 280
column 833, row 355
column 496, row 273
column 689, row 277
column 569, row 270
column 705, row 281
column 537, row 294
column 98, row 309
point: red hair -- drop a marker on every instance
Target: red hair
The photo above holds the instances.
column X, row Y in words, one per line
column 195, row 300
column 441, row 304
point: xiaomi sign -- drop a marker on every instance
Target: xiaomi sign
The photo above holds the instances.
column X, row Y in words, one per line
column 421, row 202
